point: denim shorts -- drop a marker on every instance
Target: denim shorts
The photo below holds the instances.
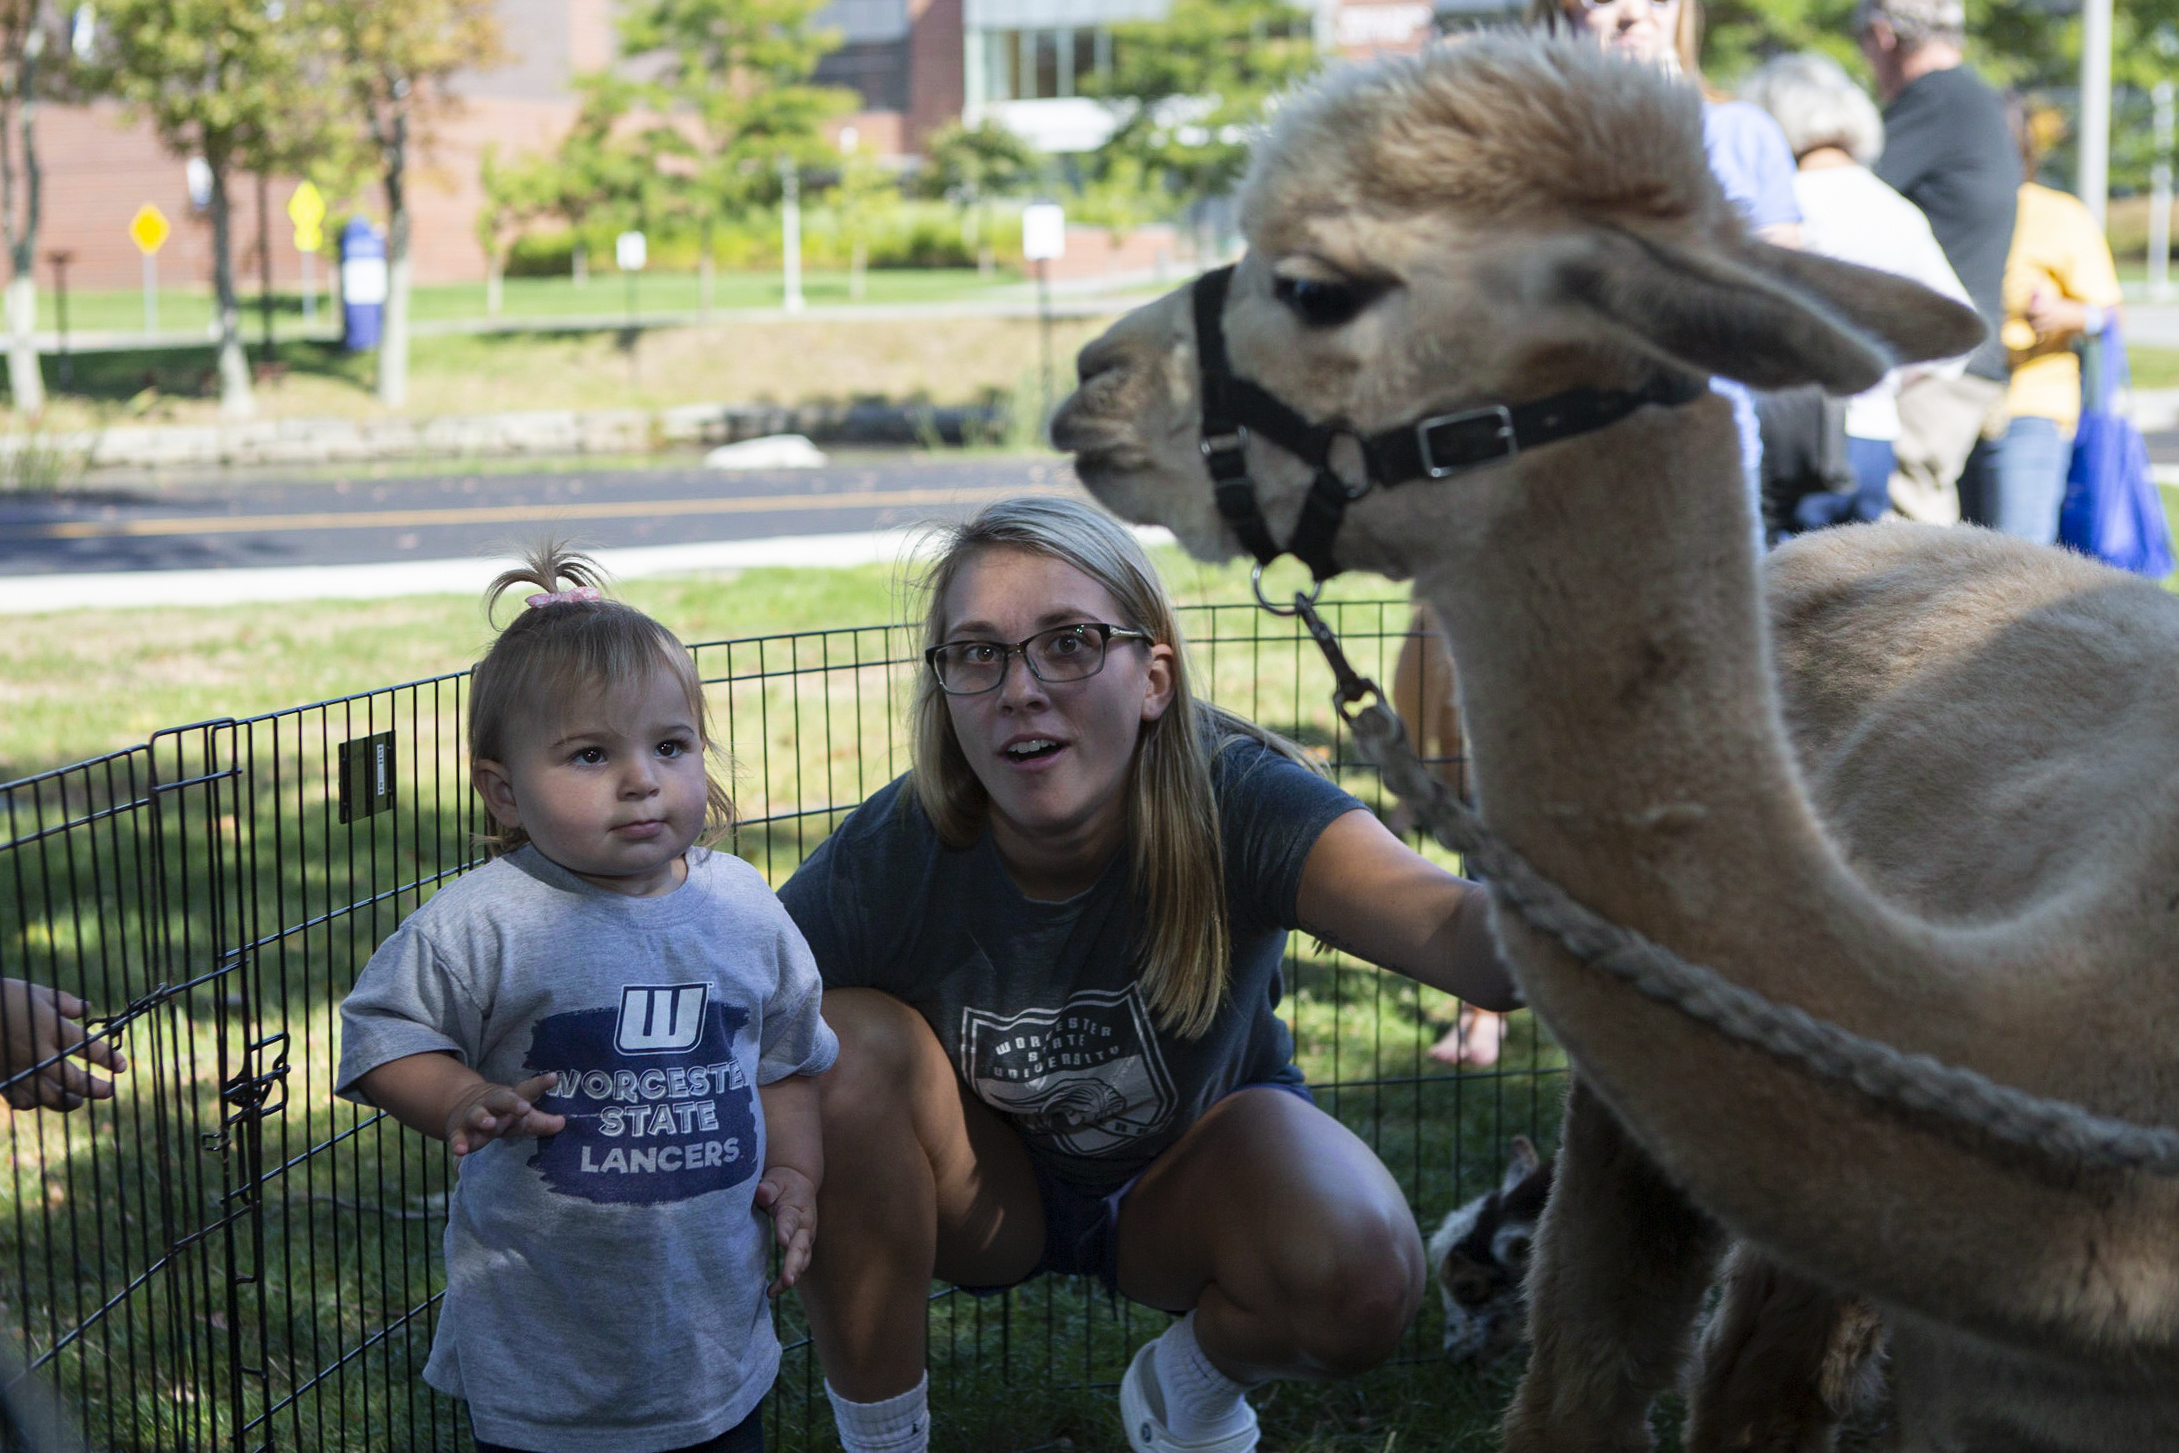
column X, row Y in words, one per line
column 747, row 1436
column 1082, row 1223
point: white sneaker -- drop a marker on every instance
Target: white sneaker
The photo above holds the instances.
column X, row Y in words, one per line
column 1142, row 1411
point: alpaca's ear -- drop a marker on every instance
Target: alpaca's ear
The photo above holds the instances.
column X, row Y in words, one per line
column 1520, row 1165
column 1915, row 323
column 1709, row 313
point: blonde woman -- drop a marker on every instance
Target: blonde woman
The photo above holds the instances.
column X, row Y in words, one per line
column 1051, row 953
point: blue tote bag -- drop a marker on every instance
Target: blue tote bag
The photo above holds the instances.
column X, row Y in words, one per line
column 2113, row 509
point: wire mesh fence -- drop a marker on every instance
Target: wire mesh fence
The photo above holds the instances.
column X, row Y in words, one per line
column 222, row 1256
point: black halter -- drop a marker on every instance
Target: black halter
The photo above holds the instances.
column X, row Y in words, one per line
column 1429, row 448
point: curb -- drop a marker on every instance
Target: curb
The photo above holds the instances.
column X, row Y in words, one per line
column 530, row 432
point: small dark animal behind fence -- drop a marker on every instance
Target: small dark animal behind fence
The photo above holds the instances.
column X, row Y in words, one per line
column 223, row 1257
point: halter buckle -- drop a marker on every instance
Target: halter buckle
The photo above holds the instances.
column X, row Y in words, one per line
column 1225, row 443
column 1490, row 426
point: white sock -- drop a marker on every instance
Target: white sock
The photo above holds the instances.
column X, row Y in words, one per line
column 896, row 1425
column 1201, row 1403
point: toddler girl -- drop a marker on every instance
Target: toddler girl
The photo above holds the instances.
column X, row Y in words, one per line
column 614, row 1029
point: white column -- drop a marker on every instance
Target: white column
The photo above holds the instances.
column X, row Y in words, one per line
column 790, row 232
column 2094, row 182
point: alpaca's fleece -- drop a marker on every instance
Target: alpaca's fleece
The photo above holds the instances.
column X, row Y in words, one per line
column 1490, row 129
column 1919, row 784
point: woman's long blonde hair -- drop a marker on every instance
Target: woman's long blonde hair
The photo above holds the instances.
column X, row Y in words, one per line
column 1551, row 17
column 1182, row 944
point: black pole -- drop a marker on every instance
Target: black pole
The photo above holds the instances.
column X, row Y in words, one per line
column 60, row 261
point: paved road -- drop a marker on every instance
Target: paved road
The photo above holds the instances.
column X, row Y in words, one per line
column 447, row 516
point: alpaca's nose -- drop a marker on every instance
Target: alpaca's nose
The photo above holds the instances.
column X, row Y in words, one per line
column 1100, row 355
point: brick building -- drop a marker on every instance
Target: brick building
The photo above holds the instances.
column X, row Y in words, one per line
column 917, row 64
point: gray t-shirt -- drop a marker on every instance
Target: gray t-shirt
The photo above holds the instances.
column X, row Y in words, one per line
column 604, row 1287
column 1036, row 1003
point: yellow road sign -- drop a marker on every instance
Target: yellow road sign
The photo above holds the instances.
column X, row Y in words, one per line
column 306, row 209
column 148, row 229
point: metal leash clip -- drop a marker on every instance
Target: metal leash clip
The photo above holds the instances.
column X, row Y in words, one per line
column 1351, row 685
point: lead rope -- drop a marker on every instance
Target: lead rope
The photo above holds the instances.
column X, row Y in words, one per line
column 1919, row 1083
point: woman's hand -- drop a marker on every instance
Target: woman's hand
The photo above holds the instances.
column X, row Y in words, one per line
column 1368, row 893
column 2053, row 315
column 42, row 1025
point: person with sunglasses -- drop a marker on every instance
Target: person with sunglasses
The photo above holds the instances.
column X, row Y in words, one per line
column 1052, row 953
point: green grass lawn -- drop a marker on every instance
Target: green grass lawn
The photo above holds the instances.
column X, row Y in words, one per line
column 349, row 1220
column 807, row 359
column 121, row 310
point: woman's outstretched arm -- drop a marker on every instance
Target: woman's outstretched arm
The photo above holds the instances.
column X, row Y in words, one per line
column 1368, row 893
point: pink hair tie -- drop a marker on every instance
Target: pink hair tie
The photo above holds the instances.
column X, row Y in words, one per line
column 564, row 597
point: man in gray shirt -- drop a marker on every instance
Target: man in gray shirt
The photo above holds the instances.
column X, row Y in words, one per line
column 1948, row 150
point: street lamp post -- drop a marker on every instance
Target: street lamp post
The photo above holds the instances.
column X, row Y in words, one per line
column 2095, row 175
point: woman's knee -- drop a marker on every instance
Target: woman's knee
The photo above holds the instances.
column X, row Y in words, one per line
column 885, row 1053
column 1356, row 1295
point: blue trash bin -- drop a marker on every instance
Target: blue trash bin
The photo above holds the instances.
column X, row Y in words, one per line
column 362, row 285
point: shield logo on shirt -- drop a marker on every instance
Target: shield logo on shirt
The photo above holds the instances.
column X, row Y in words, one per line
column 659, row 1018
column 1087, row 1076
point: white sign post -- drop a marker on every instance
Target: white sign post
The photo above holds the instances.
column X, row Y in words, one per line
column 1043, row 238
column 631, row 250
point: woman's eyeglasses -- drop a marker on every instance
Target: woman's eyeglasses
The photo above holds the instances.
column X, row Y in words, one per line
column 1063, row 653
column 1653, row 5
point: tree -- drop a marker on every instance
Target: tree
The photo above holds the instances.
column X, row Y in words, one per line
column 605, row 175
column 226, row 82
column 733, row 94
column 971, row 165
column 23, row 41
column 1190, row 91
column 516, row 194
column 867, row 195
column 391, row 60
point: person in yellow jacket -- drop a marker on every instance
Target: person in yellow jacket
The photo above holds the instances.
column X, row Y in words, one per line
column 2060, row 288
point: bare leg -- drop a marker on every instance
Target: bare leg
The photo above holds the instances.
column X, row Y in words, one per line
column 1783, row 1362
column 1622, row 1261
column 1474, row 1040
column 1284, row 1233
column 920, row 1180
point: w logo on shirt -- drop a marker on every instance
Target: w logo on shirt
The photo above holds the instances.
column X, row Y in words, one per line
column 659, row 1018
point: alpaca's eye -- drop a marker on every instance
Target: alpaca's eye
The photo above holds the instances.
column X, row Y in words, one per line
column 1321, row 304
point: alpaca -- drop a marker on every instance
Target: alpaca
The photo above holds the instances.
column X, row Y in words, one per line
column 1913, row 781
column 1480, row 1253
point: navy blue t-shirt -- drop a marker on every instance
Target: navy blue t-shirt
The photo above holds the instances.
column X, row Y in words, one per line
column 1036, row 1003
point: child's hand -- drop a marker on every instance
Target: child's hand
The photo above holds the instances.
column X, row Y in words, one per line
column 41, row 1023
column 501, row 1112
column 791, row 1198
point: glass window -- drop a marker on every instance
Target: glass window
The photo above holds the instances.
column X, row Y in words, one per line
column 1046, row 52
column 1042, row 65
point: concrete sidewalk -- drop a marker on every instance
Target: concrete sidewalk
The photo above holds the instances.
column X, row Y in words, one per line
column 138, row 589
